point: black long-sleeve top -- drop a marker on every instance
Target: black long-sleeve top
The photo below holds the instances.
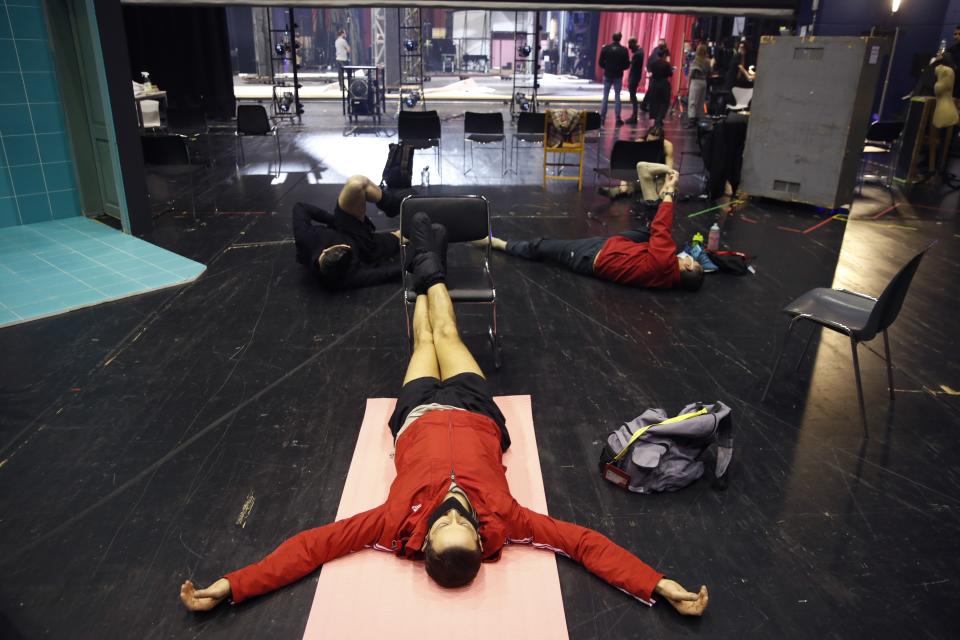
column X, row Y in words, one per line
column 374, row 252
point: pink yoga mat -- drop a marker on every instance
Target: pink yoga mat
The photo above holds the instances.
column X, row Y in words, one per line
column 372, row 594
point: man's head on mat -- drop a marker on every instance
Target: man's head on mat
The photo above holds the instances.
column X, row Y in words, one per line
column 334, row 261
column 691, row 273
column 452, row 549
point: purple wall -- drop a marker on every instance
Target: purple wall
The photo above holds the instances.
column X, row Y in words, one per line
column 922, row 25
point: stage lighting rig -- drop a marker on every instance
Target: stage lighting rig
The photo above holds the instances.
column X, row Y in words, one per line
column 411, row 99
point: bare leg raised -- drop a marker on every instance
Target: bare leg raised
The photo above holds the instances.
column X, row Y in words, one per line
column 453, row 356
column 423, row 361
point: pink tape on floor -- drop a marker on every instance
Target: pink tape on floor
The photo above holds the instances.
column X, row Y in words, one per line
column 372, row 594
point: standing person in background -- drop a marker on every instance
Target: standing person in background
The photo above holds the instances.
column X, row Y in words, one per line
column 954, row 51
column 656, row 55
column 635, row 75
column 722, row 57
column 739, row 74
column 658, row 91
column 699, row 70
column 342, row 48
column 614, row 60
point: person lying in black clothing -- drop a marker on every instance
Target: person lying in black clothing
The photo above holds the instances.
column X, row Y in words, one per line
column 343, row 249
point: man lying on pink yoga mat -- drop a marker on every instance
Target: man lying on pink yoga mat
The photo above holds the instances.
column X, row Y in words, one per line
column 450, row 504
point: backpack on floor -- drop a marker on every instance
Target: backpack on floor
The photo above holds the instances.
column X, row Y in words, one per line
column 733, row 262
column 654, row 452
column 398, row 172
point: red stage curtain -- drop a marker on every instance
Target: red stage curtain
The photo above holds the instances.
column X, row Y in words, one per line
column 647, row 28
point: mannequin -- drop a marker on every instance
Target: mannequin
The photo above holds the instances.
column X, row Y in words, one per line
column 945, row 113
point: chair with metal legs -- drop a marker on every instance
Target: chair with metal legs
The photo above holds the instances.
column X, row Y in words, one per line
column 484, row 129
column 252, row 120
column 422, row 130
column 529, row 130
column 470, row 280
column 168, row 156
column 857, row 315
column 594, row 126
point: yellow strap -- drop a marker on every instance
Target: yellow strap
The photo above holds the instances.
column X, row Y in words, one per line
column 640, row 432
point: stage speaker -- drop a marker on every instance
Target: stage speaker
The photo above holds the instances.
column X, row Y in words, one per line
column 361, row 97
column 809, row 117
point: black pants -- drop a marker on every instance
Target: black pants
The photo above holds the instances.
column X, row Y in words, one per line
column 632, row 87
column 576, row 255
column 340, row 64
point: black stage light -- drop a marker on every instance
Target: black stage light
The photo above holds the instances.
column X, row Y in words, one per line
column 410, row 45
column 412, row 99
column 524, row 50
column 279, row 49
column 522, row 102
column 285, row 102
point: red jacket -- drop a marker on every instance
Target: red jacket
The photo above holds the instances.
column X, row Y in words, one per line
column 650, row 264
column 439, row 443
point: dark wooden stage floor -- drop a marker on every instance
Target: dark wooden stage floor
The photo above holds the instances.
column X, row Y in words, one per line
column 132, row 433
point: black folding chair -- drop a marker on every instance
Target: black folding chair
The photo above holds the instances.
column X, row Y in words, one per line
column 624, row 158
column 169, row 157
column 421, row 130
column 192, row 123
column 594, row 124
column 252, row 120
column 530, row 129
column 466, row 218
column 883, row 139
column 484, row 129
column 859, row 316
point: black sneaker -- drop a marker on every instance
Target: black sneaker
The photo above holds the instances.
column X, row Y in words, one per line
column 420, row 233
column 619, row 122
column 439, row 243
column 389, row 203
column 631, row 120
column 427, row 270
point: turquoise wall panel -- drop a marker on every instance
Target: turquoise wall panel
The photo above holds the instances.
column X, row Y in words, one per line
column 37, row 181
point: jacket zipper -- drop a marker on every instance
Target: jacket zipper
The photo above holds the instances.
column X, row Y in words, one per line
column 453, row 475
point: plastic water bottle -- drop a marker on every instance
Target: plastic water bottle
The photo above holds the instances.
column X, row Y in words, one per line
column 713, row 238
column 425, row 177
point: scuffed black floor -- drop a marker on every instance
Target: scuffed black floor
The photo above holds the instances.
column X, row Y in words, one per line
column 133, row 432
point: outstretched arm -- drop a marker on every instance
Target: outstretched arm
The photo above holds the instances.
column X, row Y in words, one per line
column 292, row 560
column 604, row 558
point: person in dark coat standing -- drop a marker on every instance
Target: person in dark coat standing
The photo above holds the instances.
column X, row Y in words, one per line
column 658, row 53
column 614, row 60
column 635, row 75
column 658, row 90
